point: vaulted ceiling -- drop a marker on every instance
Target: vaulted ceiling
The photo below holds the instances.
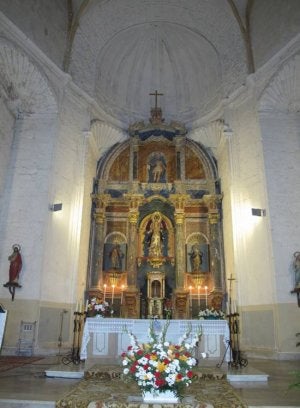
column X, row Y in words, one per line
column 192, row 51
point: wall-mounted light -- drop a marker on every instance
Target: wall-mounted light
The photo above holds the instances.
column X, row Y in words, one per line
column 56, row 207
column 259, row 212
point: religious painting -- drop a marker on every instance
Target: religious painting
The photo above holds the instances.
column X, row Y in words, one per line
column 119, row 170
column 114, row 257
column 193, row 166
column 197, row 258
column 157, row 168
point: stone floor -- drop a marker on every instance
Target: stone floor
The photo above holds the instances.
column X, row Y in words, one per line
column 28, row 386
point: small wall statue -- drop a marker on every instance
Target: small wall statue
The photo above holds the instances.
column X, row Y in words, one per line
column 14, row 270
column 296, row 267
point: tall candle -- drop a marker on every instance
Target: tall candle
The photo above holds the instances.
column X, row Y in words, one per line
column 76, row 308
column 122, row 294
column 191, row 296
column 104, row 292
column 199, row 295
column 112, row 296
column 86, row 305
column 206, row 296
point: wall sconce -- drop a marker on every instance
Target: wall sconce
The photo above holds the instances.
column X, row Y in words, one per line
column 259, row 212
column 56, row 207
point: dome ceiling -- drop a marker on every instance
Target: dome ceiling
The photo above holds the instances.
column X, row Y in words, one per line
column 191, row 51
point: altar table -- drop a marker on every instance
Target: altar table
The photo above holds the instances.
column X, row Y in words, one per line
column 106, row 336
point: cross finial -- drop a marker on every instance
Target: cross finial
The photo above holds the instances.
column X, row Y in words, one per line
column 156, row 94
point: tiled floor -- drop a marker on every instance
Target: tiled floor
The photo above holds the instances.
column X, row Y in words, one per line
column 24, row 386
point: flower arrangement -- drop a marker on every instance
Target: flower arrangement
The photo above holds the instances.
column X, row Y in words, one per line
column 98, row 307
column 211, row 314
column 160, row 366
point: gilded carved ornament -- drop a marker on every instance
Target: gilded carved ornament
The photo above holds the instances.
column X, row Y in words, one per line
column 213, row 218
column 179, row 218
column 99, row 217
column 179, row 200
column 212, row 201
column 101, row 200
column 133, row 217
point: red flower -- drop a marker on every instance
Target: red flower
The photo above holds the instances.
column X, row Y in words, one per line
column 139, row 352
column 179, row 376
column 157, row 374
column 166, row 361
column 129, row 348
column 160, row 382
column 189, row 374
column 177, row 355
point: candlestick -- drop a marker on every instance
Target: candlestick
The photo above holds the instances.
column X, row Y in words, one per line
column 206, row 296
column 104, row 292
column 112, row 296
column 199, row 296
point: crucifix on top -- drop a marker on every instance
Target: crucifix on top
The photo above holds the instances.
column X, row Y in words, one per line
column 156, row 112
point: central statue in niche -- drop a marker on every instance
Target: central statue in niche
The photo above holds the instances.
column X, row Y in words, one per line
column 156, row 237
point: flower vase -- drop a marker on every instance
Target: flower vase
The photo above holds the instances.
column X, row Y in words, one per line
column 156, row 396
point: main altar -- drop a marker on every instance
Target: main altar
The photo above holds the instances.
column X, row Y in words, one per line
column 104, row 340
column 156, row 248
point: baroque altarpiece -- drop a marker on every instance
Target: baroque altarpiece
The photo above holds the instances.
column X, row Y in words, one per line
column 156, row 246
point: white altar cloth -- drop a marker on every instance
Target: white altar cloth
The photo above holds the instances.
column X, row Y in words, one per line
column 2, row 326
column 139, row 327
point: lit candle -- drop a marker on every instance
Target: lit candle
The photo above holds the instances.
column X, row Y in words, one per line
column 190, row 295
column 112, row 296
column 80, row 306
column 76, row 308
column 205, row 296
column 104, row 292
column 199, row 295
column 86, row 305
column 122, row 294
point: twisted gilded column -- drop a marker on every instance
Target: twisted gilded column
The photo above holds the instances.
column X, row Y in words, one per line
column 96, row 269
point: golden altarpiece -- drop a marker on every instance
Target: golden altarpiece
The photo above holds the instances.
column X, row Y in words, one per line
column 156, row 238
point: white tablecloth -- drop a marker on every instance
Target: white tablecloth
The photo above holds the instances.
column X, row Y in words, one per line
column 139, row 327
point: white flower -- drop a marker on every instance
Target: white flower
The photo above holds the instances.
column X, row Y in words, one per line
column 125, row 362
column 126, row 371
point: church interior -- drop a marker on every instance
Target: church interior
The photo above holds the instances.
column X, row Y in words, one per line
column 146, row 150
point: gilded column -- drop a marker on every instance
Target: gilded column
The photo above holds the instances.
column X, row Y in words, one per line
column 96, row 269
column 134, row 200
column 216, row 239
column 179, row 202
